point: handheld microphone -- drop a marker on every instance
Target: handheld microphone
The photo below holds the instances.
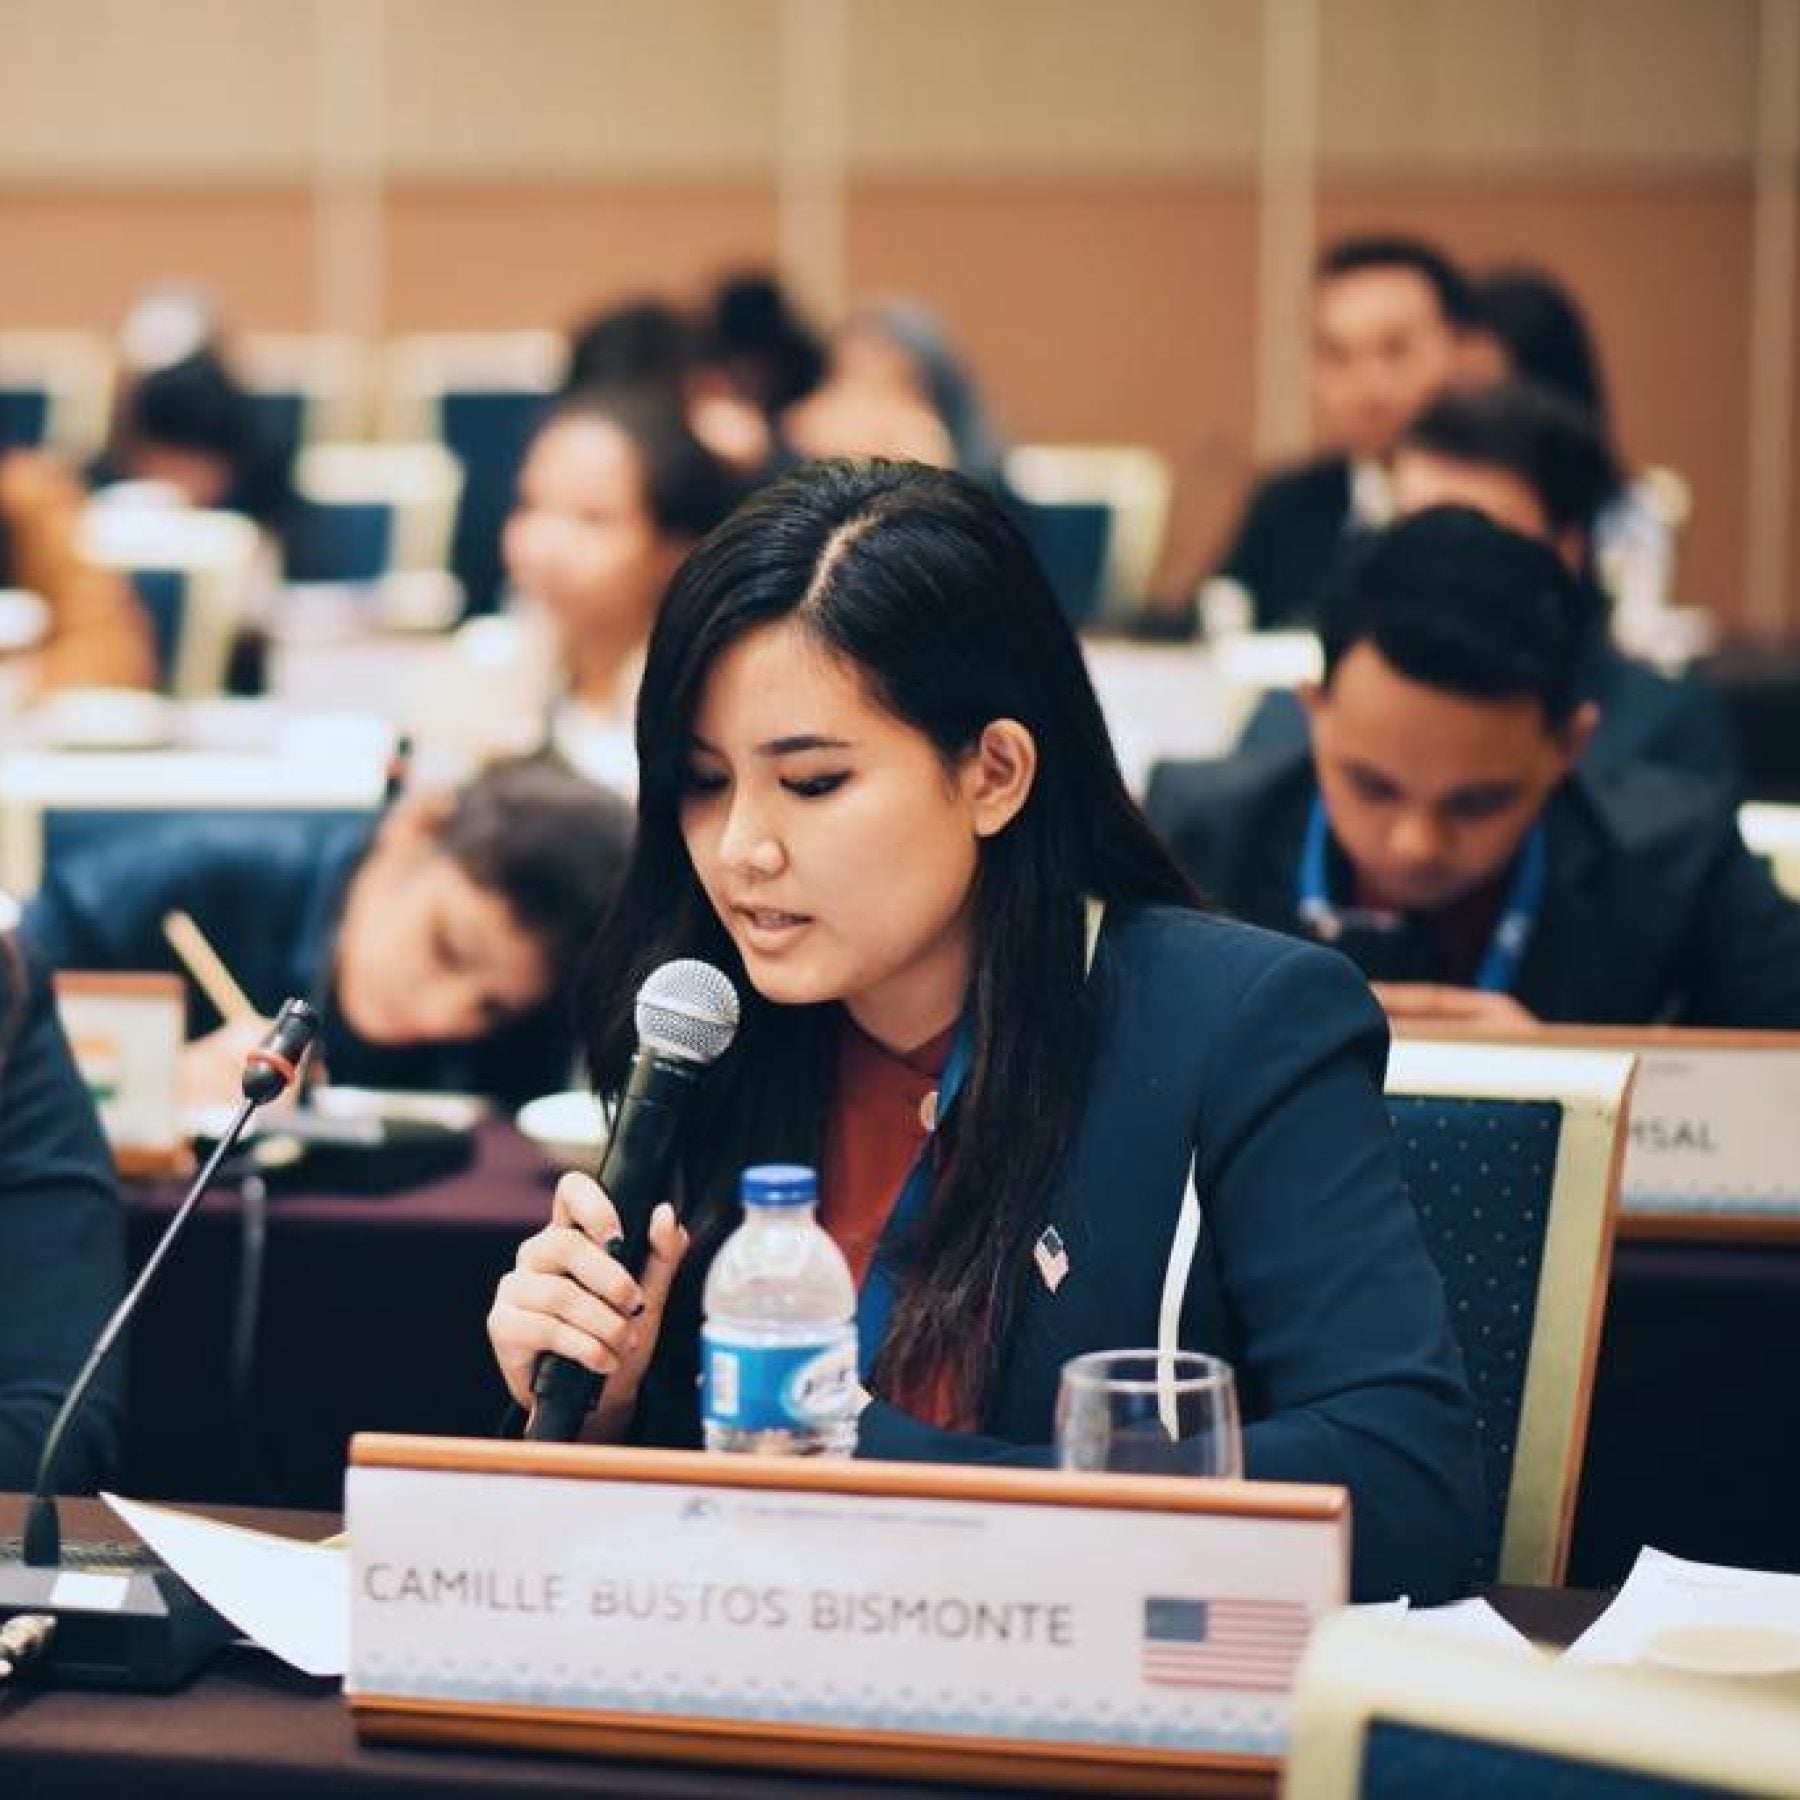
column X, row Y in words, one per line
column 687, row 1015
column 147, row 1629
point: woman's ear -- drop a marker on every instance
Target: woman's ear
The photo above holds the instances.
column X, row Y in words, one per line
column 998, row 775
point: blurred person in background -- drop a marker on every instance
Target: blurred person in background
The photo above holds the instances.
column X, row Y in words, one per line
column 1531, row 327
column 190, row 429
column 1390, row 332
column 94, row 631
column 897, row 387
column 645, row 342
column 614, row 491
column 62, row 1250
column 1530, row 461
column 651, row 344
column 438, row 942
column 1438, row 827
column 759, row 344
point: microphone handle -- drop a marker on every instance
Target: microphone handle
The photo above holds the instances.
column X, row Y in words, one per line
column 636, row 1172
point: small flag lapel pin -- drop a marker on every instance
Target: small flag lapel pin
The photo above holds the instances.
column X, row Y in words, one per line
column 1051, row 1258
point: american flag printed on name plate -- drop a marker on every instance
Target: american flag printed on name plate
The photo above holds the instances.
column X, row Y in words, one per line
column 1251, row 1645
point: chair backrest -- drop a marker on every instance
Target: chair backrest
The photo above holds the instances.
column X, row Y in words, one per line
column 1774, row 832
column 371, row 509
column 1386, row 1711
column 1070, row 539
column 51, row 802
column 196, row 573
column 306, row 387
column 1130, row 483
column 478, row 394
column 1251, row 664
column 1512, row 1156
column 55, row 391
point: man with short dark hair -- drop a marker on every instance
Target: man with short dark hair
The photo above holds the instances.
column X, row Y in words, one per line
column 1390, row 319
column 1439, row 833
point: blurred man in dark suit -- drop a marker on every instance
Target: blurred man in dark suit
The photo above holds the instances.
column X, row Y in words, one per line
column 1391, row 316
column 1531, row 462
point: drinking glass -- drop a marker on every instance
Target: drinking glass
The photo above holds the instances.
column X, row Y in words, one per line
column 1149, row 1412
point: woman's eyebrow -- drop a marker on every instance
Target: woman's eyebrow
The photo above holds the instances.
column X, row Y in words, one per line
column 788, row 746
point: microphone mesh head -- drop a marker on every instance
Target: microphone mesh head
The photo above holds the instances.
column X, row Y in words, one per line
column 688, row 1009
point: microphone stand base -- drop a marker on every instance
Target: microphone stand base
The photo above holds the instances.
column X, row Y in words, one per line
column 119, row 1624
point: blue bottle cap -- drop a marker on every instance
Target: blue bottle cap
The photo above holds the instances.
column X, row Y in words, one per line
column 779, row 1184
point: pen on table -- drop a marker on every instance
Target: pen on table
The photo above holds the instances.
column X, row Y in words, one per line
column 399, row 766
column 220, row 986
column 207, row 968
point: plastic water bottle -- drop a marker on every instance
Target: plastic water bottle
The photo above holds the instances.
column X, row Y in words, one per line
column 778, row 1352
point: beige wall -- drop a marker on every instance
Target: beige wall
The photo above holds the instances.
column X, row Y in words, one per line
column 1073, row 182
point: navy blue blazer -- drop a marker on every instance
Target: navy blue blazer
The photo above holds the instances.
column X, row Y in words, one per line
column 267, row 891
column 62, row 1253
column 1252, row 1066
column 1294, row 525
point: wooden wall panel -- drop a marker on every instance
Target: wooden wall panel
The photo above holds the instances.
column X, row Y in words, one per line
column 78, row 257
column 1101, row 310
column 487, row 256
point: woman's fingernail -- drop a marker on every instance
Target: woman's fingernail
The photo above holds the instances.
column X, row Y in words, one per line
column 614, row 1247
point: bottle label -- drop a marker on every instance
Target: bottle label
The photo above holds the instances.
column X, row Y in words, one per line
column 777, row 1387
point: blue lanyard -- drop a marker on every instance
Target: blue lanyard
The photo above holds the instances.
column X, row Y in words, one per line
column 875, row 1304
column 1505, row 952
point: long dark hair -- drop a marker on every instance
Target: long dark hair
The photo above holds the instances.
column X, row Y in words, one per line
column 919, row 582
column 1546, row 337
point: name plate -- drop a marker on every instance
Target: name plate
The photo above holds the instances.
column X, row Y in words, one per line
column 125, row 1031
column 1715, row 1128
column 1048, row 1621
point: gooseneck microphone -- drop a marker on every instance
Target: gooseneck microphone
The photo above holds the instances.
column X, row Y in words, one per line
column 687, row 1015
column 148, row 1629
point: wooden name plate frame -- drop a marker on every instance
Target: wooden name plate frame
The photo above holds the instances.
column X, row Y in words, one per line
column 1103, row 1634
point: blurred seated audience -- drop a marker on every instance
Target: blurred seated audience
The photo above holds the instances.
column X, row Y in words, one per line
column 189, row 428
column 645, row 342
column 1532, row 328
column 758, row 342
column 1532, row 463
column 1390, row 332
column 1440, row 833
column 96, row 633
column 439, row 942
column 614, row 491
column 62, row 1256
column 896, row 387
column 728, row 373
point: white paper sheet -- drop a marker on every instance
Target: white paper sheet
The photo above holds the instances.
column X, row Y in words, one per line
column 1664, row 1590
column 1471, row 1622
column 291, row 1598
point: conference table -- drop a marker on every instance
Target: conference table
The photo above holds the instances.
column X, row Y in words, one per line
column 249, row 1725
column 372, row 1311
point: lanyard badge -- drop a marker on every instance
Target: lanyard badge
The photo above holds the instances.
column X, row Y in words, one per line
column 1506, row 949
